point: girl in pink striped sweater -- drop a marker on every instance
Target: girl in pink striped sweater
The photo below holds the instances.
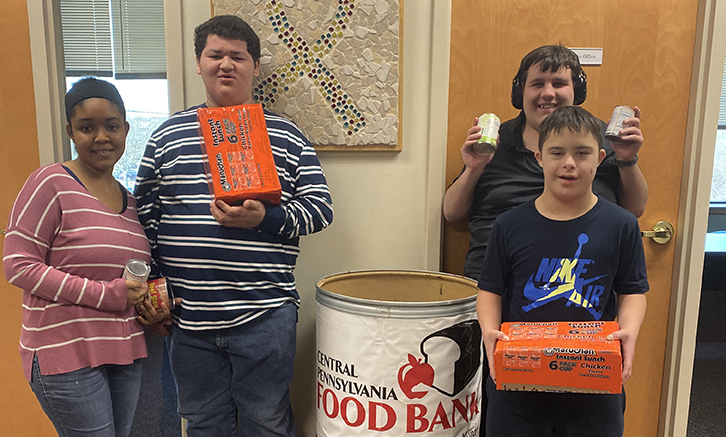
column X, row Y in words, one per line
column 70, row 232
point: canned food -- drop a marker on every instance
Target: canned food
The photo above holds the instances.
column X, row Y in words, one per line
column 620, row 114
column 487, row 144
column 160, row 291
column 136, row 270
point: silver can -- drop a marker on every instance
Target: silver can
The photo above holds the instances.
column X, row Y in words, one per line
column 136, row 270
column 620, row 114
column 487, row 144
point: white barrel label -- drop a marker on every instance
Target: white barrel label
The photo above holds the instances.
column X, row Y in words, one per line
column 382, row 376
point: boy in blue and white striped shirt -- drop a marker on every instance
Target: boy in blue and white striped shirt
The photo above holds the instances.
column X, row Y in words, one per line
column 233, row 337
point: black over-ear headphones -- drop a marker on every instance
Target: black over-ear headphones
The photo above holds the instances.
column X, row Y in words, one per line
column 579, row 84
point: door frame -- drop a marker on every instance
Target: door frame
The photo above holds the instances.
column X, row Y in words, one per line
column 46, row 52
column 706, row 77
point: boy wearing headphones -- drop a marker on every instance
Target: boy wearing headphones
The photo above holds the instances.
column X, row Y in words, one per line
column 549, row 77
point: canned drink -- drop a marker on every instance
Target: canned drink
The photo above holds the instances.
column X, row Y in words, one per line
column 620, row 113
column 160, row 291
column 136, row 270
column 487, row 144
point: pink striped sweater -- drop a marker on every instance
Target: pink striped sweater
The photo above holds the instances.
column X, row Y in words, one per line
column 66, row 251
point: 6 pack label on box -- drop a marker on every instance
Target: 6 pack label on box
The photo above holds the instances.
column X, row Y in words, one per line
column 573, row 357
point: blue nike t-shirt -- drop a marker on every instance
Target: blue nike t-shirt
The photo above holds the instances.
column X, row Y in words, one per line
column 573, row 270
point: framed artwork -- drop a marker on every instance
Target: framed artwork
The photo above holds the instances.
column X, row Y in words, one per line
column 331, row 66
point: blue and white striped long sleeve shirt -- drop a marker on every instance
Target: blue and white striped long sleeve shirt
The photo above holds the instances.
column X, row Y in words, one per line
column 226, row 276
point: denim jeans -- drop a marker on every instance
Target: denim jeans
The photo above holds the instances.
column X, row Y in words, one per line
column 98, row 401
column 236, row 376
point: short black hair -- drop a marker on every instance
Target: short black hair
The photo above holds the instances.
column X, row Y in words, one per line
column 90, row 87
column 228, row 27
column 572, row 118
column 550, row 58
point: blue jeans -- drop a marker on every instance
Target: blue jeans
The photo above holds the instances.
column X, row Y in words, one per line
column 237, row 375
column 98, row 401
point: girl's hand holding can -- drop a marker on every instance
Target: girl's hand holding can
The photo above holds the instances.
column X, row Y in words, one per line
column 148, row 315
column 156, row 321
column 135, row 292
column 135, row 272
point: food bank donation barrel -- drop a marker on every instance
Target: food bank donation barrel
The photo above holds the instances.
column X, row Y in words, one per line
column 398, row 353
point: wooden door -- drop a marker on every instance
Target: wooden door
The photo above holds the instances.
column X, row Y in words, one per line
column 647, row 60
column 22, row 415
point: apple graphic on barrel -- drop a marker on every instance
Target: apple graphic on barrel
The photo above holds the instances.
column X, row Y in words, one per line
column 413, row 373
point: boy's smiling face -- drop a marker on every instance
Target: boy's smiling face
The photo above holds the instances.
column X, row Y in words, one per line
column 569, row 162
column 545, row 91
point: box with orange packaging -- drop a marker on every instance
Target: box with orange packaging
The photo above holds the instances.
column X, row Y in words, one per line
column 573, row 357
column 237, row 154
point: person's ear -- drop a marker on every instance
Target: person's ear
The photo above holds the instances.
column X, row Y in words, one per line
column 538, row 156
column 257, row 68
column 127, row 126
column 601, row 156
column 69, row 131
column 199, row 69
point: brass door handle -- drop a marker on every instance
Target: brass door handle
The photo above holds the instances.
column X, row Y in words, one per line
column 662, row 232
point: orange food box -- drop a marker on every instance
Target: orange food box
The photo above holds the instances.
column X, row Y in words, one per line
column 570, row 357
column 237, row 154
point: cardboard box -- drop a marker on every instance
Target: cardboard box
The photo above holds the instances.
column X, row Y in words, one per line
column 237, row 154
column 570, row 357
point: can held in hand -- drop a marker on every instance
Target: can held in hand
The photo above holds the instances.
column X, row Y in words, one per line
column 160, row 291
column 620, row 114
column 487, row 144
column 136, row 270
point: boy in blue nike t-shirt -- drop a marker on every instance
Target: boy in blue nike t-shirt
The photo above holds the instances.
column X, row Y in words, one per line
column 568, row 255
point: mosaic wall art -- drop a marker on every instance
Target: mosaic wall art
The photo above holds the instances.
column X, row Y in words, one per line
column 330, row 66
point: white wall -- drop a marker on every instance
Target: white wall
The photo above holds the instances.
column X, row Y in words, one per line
column 387, row 204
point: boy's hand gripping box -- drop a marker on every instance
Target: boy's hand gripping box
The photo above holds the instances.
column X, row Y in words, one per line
column 237, row 154
column 571, row 357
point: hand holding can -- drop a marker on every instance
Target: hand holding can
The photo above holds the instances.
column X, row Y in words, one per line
column 620, row 114
column 487, row 144
column 160, row 291
column 136, row 270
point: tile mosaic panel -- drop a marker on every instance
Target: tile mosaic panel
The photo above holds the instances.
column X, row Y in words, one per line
column 331, row 66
